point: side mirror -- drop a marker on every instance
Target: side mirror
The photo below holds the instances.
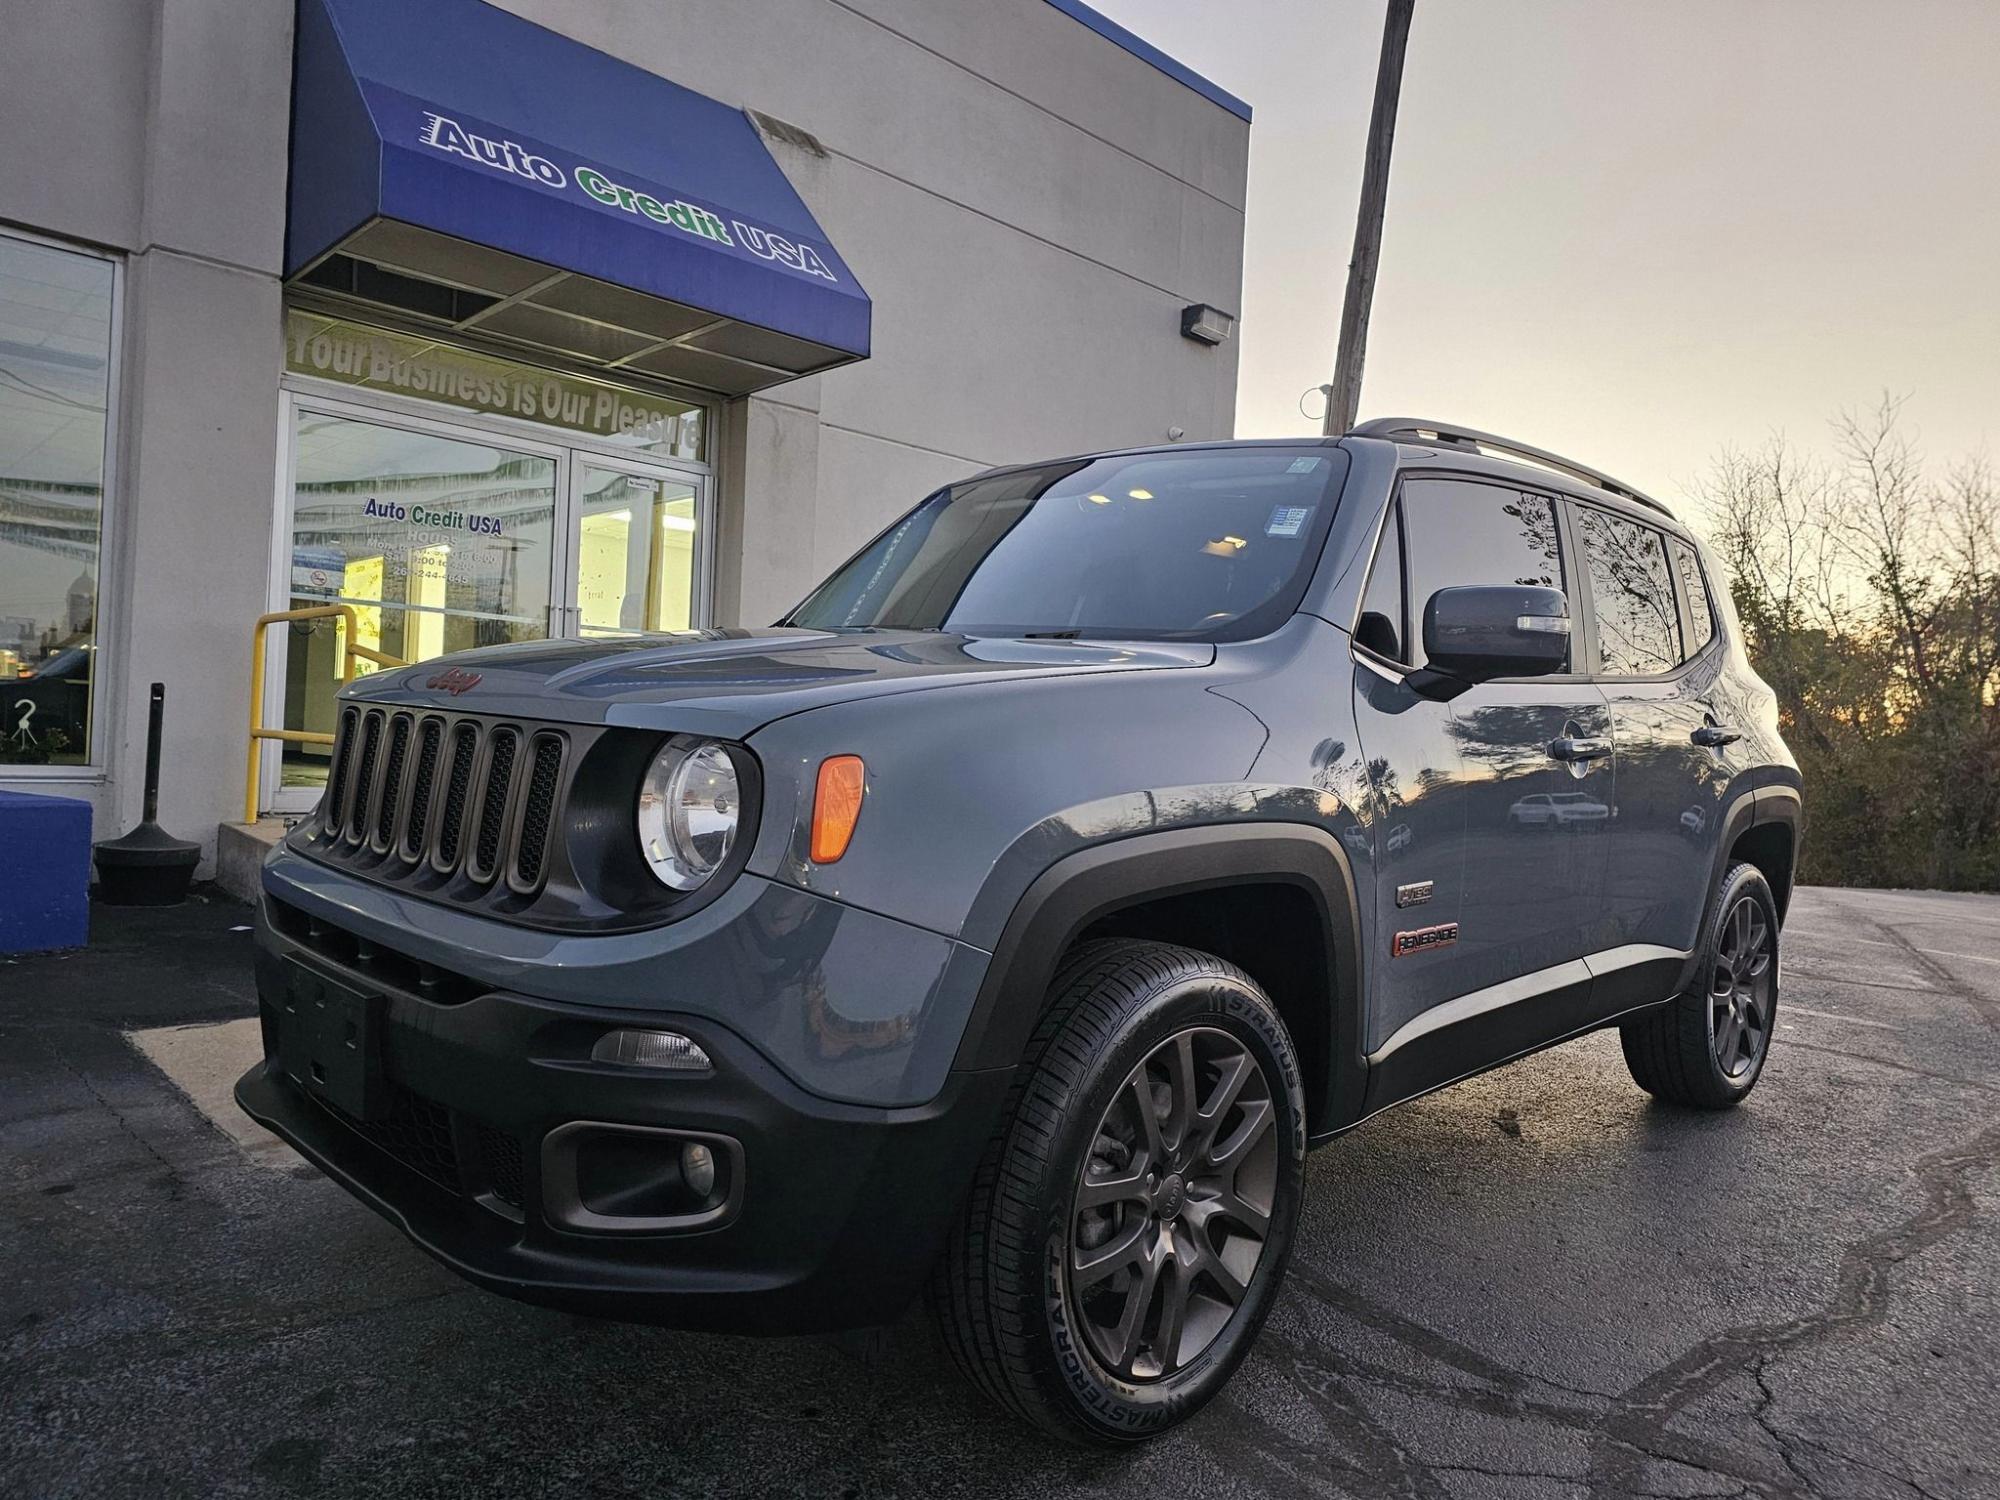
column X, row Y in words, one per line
column 1473, row 635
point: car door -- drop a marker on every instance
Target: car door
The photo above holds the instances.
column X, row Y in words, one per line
column 1411, row 850
column 1654, row 658
column 1533, row 886
column 1484, row 896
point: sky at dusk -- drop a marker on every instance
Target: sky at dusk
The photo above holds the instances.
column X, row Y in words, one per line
column 1629, row 232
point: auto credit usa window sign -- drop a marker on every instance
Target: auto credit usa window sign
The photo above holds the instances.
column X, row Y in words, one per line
column 489, row 148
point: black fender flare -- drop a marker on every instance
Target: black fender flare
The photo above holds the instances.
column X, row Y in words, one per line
column 1784, row 805
column 1749, row 807
column 1094, row 882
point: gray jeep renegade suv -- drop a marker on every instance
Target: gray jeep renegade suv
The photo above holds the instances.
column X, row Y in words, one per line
column 1015, row 914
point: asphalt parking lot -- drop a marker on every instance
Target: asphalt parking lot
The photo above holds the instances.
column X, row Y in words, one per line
column 1534, row 1284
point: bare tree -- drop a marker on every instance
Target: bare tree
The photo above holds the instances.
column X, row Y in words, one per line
column 1870, row 593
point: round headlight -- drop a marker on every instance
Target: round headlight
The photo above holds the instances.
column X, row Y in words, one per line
column 689, row 806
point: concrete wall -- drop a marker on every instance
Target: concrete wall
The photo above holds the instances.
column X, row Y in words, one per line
column 1028, row 204
column 158, row 128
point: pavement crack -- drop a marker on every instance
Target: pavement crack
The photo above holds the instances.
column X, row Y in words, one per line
column 1427, row 1341
column 1883, row 1062
column 1767, row 1398
column 1793, row 971
column 1325, row 1388
column 1946, row 981
column 1640, row 1417
column 175, row 1184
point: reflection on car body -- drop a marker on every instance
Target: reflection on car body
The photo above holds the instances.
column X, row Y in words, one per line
column 1547, row 809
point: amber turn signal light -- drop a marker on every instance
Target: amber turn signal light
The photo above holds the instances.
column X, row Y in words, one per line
column 836, row 806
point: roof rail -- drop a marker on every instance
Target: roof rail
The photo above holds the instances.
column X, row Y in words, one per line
column 1443, row 435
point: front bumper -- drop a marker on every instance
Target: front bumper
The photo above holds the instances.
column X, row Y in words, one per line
column 840, row 1211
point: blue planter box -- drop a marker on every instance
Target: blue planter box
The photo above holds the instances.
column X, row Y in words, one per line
column 44, row 872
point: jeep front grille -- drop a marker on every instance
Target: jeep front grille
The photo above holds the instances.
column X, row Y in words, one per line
column 437, row 799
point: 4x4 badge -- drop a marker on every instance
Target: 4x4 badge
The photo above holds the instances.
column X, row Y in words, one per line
column 1441, row 936
column 1416, row 893
column 454, row 680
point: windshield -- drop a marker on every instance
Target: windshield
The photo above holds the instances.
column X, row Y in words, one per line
column 1207, row 544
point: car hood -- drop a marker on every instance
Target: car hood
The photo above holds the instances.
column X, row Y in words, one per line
column 733, row 682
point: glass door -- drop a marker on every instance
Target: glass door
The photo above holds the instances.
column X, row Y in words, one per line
column 443, row 537
column 439, row 541
column 637, row 540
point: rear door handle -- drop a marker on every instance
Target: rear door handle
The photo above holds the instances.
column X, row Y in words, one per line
column 1571, row 748
column 1714, row 736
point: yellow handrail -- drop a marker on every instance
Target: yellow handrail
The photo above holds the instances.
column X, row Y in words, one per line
column 352, row 652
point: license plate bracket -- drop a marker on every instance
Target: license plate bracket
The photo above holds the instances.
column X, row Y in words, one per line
column 330, row 1041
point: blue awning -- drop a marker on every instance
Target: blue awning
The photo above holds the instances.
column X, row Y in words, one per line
column 477, row 171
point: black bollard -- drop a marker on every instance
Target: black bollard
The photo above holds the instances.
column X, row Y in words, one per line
column 148, row 866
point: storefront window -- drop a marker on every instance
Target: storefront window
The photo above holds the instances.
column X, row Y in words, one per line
column 636, row 553
column 55, row 389
column 376, row 360
column 437, row 544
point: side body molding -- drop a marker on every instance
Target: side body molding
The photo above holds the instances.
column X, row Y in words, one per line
column 1093, row 883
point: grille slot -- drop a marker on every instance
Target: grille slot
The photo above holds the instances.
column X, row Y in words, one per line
column 423, row 781
column 364, row 777
column 538, row 811
column 458, row 786
column 494, row 801
column 334, row 808
column 392, row 783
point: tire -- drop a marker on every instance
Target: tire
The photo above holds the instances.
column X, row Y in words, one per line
column 1707, row 1047
column 1021, row 1293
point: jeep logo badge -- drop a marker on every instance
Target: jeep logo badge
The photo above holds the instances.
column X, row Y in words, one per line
column 454, row 680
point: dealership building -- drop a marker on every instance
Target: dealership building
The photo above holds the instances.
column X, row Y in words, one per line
column 468, row 322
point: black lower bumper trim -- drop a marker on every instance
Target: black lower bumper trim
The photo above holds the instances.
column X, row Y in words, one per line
column 842, row 1207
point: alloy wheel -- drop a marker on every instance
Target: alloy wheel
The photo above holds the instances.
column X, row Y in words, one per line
column 1741, row 992
column 1173, row 1207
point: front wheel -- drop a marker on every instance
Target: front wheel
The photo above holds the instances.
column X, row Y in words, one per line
column 1707, row 1047
column 1129, row 1225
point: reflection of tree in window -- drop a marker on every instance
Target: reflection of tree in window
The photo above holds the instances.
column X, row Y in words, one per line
column 1638, row 628
column 1538, row 529
column 1462, row 534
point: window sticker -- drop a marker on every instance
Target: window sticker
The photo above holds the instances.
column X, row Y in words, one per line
column 1286, row 520
column 1303, row 466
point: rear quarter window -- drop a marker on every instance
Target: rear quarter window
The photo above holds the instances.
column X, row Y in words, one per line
column 1694, row 588
column 1631, row 595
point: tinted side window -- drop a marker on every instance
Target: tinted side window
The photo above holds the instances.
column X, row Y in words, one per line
column 1694, row 588
column 1632, row 596
column 1460, row 533
column 1383, row 626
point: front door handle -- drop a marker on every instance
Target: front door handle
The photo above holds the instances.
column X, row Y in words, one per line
column 1570, row 748
column 1714, row 736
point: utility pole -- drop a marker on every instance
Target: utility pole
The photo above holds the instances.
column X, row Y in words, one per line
column 1344, row 396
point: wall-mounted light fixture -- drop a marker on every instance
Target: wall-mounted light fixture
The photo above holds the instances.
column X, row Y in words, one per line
column 1205, row 324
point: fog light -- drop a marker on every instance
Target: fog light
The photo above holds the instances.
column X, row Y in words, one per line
column 698, row 1168
column 652, row 1049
